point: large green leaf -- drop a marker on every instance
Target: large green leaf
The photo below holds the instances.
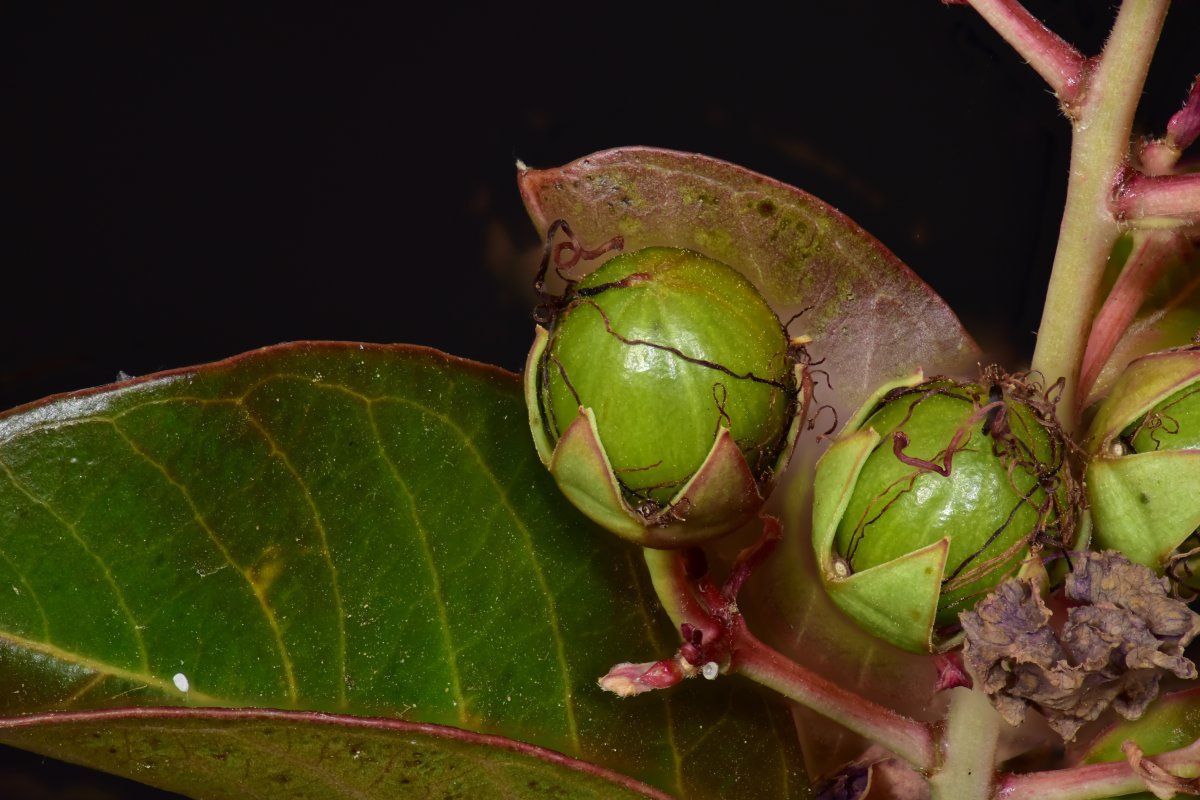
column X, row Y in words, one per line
column 354, row 528
column 231, row 754
column 872, row 320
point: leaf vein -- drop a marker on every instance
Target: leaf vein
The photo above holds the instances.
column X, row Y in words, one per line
column 267, row 610
column 435, row 580
column 326, row 553
column 527, row 538
column 33, row 595
column 73, row 530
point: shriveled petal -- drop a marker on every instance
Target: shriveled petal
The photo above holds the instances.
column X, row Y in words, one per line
column 1112, row 651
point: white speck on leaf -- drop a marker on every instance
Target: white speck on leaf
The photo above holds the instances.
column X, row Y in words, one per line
column 181, row 682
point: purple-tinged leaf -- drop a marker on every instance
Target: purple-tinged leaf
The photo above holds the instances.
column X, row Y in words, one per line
column 871, row 318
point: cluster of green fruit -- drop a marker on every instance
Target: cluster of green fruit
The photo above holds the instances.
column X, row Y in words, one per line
column 665, row 396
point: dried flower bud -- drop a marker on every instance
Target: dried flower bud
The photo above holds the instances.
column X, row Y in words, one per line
column 1125, row 633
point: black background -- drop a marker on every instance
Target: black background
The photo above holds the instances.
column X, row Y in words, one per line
column 188, row 181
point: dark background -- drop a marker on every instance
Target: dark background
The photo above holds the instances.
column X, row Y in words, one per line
column 185, row 182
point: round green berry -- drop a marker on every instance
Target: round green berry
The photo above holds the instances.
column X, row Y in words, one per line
column 959, row 463
column 666, row 347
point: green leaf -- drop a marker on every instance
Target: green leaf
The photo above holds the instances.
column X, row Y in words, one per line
column 230, row 754
column 871, row 318
column 354, row 528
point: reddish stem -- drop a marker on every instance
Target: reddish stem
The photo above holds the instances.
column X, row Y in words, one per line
column 1184, row 128
column 1152, row 252
column 1092, row 781
column 1060, row 64
column 1169, row 196
column 693, row 601
column 1160, row 156
column 907, row 738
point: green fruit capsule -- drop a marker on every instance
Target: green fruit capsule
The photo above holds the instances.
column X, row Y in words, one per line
column 1143, row 476
column 931, row 496
column 663, row 396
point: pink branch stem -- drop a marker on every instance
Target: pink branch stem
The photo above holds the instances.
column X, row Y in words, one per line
column 907, row 738
column 1093, row 781
column 1153, row 251
column 1060, row 64
column 697, row 605
column 1160, row 156
column 1169, row 196
column 1184, row 128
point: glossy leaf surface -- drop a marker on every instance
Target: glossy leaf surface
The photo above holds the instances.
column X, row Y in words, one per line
column 353, row 528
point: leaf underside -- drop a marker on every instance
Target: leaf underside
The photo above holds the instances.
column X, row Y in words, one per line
column 358, row 529
column 870, row 317
column 233, row 754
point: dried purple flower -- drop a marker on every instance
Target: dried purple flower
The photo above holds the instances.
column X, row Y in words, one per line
column 1112, row 650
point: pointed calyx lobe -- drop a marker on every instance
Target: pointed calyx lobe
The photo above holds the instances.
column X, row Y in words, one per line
column 1113, row 649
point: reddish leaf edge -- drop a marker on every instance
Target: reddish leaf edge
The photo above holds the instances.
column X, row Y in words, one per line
column 250, row 356
column 335, row 720
column 530, row 179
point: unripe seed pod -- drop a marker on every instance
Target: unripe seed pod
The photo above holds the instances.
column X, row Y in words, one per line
column 1143, row 477
column 932, row 495
column 663, row 396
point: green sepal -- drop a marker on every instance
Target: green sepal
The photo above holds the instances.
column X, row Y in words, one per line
column 833, row 484
column 541, row 439
column 583, row 473
column 1145, row 504
column 873, row 402
column 722, row 496
column 897, row 601
column 1144, row 384
column 799, row 418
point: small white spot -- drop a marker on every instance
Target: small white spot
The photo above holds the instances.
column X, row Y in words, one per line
column 181, row 682
column 710, row 671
